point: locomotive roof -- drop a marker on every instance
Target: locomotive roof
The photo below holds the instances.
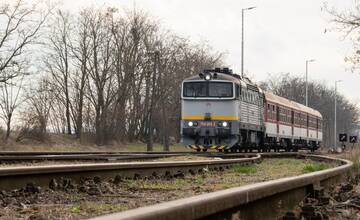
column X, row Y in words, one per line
column 291, row 104
column 220, row 76
column 228, row 77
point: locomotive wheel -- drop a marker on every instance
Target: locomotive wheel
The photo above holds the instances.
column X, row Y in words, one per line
column 197, row 150
column 204, row 150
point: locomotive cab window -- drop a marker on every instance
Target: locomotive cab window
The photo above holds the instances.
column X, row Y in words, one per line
column 220, row 89
column 195, row 89
column 208, row 89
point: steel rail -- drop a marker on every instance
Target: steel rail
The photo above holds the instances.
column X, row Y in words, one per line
column 110, row 157
column 94, row 152
column 255, row 201
column 9, row 153
column 15, row 177
column 124, row 156
column 104, row 157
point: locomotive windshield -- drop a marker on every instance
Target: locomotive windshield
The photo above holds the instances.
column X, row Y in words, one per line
column 208, row 89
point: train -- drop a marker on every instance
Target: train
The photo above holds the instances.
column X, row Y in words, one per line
column 223, row 111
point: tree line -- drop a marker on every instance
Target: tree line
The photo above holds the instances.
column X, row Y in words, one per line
column 102, row 73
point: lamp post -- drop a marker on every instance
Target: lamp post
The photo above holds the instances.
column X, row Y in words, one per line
column 335, row 113
column 242, row 38
column 306, row 82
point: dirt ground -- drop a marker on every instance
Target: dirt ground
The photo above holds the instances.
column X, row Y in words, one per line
column 92, row 197
column 340, row 202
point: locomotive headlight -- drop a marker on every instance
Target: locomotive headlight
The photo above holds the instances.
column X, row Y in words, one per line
column 207, row 77
column 224, row 124
column 190, row 123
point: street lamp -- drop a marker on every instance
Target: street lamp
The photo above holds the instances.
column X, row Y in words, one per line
column 242, row 38
column 335, row 113
column 306, row 82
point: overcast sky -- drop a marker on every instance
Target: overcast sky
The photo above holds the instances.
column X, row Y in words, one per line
column 279, row 34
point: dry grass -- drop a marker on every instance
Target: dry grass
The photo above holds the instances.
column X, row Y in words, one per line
column 59, row 142
column 352, row 154
column 238, row 175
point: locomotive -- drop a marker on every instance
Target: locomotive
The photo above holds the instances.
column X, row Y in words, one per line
column 224, row 111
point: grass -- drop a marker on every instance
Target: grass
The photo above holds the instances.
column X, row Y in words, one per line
column 315, row 167
column 94, row 207
column 238, row 175
column 246, row 169
column 75, row 209
column 356, row 165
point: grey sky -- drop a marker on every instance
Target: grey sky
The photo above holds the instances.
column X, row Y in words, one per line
column 279, row 34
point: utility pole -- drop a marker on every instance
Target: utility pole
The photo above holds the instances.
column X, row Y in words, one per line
column 242, row 39
column 335, row 135
column 306, row 82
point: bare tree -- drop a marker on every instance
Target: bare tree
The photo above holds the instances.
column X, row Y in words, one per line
column 81, row 51
column 22, row 25
column 100, row 90
column 10, row 99
column 347, row 21
column 57, row 60
column 39, row 108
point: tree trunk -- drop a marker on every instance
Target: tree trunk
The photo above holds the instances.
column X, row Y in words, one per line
column 8, row 127
column 165, row 127
column 68, row 114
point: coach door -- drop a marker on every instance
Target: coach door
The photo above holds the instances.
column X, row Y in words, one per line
column 292, row 123
column 317, row 128
column 277, row 119
column 307, row 125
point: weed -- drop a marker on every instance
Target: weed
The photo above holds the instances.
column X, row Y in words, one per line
column 356, row 165
column 199, row 180
column 75, row 209
column 246, row 169
column 315, row 167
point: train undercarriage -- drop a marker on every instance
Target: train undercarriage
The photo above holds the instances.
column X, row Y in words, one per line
column 251, row 141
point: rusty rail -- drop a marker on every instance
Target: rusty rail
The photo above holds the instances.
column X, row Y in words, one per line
column 265, row 200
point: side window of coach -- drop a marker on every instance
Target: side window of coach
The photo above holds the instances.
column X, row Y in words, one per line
column 238, row 91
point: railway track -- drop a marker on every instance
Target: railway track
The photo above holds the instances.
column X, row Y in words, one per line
column 17, row 177
column 242, row 201
column 17, row 156
column 264, row 200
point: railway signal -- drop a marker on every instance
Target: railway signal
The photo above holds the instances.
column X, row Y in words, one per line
column 343, row 137
column 353, row 139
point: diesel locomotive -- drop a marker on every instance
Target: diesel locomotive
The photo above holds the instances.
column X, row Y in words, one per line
column 224, row 111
